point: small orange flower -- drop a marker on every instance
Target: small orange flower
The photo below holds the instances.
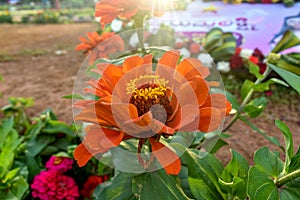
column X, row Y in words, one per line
column 108, row 10
column 110, row 43
column 148, row 101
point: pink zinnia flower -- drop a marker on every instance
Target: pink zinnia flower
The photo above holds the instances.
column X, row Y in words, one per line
column 58, row 163
column 53, row 185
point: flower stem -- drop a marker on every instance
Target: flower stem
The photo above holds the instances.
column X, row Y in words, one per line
column 247, row 99
column 286, row 178
column 139, row 26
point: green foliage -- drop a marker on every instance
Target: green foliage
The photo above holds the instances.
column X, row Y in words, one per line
column 292, row 79
column 233, row 180
column 269, row 174
column 6, row 18
column 256, row 106
column 288, row 40
column 221, row 46
column 203, row 172
column 46, row 18
column 25, row 144
column 12, row 185
column 120, row 187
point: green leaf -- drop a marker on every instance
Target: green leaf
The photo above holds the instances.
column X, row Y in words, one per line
column 255, row 107
column 265, row 86
column 288, row 138
column 118, row 188
column 236, row 188
column 268, row 162
column 158, row 185
column 295, row 162
column 260, row 186
column 292, row 79
column 289, row 193
column 235, row 176
column 7, row 152
column 254, row 69
column 33, row 166
column 226, row 50
column 246, row 87
column 19, row 187
column 55, row 127
column 290, row 62
column 73, row 96
column 288, row 40
column 203, row 170
column 11, row 174
column 35, row 146
column 272, row 139
column 213, row 39
column 219, row 144
column 233, row 100
column 183, row 177
column 125, row 160
column 32, row 132
column 237, row 167
column 291, row 190
column 49, row 150
column 5, row 128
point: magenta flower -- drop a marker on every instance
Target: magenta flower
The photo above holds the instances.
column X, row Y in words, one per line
column 53, row 185
column 61, row 164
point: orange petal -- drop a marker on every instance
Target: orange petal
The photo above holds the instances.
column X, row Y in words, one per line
column 146, row 124
column 228, row 107
column 132, row 62
column 101, row 139
column 210, row 119
column 97, row 113
column 166, row 157
column 218, row 101
column 190, row 67
column 173, row 103
column 107, row 13
column 201, row 89
column 148, row 59
column 97, row 140
column 187, row 119
column 169, row 58
column 111, row 73
column 82, row 155
column 196, row 90
column 83, row 103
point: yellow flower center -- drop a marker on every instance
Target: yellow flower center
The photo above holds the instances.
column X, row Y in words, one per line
column 144, row 79
column 57, row 160
column 152, row 97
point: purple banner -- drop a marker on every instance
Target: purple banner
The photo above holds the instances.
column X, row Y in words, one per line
column 254, row 25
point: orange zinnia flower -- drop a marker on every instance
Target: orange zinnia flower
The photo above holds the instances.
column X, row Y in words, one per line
column 148, row 101
column 108, row 10
column 110, row 43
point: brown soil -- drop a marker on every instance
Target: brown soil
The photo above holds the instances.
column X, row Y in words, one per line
column 34, row 70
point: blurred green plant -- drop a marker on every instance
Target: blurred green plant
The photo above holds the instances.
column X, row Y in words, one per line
column 27, row 143
column 220, row 45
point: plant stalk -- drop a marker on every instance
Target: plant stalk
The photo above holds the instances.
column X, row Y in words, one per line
column 139, row 26
column 286, row 178
column 247, row 99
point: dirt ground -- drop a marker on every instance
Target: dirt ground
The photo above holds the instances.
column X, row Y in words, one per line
column 33, row 69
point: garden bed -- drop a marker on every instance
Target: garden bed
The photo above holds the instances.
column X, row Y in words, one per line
column 40, row 61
